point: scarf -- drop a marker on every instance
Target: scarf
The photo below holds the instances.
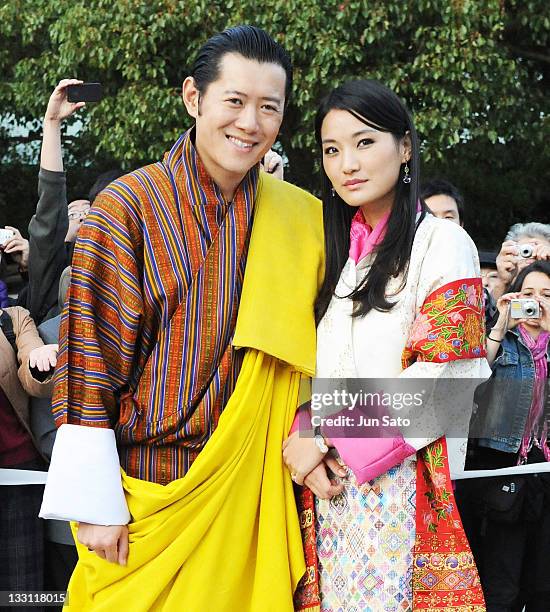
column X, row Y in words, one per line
column 531, row 435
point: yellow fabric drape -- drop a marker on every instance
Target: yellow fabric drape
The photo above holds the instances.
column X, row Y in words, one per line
column 225, row 537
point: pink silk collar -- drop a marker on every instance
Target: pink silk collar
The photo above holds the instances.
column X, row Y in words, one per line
column 363, row 238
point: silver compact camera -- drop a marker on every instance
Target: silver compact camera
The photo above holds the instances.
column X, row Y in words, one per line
column 524, row 308
column 525, row 250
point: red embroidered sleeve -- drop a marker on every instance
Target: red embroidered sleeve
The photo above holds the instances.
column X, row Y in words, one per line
column 449, row 326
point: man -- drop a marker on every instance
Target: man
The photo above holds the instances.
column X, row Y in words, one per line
column 444, row 200
column 524, row 244
column 157, row 305
column 489, row 272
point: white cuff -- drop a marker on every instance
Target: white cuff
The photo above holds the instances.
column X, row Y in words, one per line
column 84, row 481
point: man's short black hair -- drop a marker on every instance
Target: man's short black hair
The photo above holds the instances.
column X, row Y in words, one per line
column 440, row 186
column 102, row 181
column 250, row 42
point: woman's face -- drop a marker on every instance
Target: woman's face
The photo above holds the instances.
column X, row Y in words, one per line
column 536, row 285
column 362, row 163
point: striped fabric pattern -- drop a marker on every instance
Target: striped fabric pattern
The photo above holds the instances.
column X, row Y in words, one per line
column 146, row 333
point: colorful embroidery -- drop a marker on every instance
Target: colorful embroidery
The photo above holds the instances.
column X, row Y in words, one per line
column 307, row 597
column 450, row 325
column 445, row 576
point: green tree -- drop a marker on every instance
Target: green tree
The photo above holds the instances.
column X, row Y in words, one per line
column 475, row 74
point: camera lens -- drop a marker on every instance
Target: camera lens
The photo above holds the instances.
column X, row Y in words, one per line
column 526, row 250
column 529, row 311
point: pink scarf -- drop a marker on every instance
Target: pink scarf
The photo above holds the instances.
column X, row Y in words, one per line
column 538, row 350
column 363, row 238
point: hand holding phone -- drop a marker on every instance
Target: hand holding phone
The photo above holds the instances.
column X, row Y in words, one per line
column 85, row 92
column 5, row 235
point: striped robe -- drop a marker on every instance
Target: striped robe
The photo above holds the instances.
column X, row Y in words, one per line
column 146, row 331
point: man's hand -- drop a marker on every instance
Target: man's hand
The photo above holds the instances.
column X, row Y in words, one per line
column 59, row 108
column 43, row 358
column 507, row 261
column 108, row 542
column 320, row 484
column 273, row 164
column 18, row 247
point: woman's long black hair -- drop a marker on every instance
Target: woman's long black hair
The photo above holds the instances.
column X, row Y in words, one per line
column 378, row 107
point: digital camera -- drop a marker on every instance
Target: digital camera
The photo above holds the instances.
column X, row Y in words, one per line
column 524, row 308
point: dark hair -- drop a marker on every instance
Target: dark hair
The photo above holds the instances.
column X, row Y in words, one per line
column 439, row 186
column 102, row 181
column 537, row 266
column 378, row 107
column 250, row 42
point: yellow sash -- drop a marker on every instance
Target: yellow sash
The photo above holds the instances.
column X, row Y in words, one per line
column 226, row 537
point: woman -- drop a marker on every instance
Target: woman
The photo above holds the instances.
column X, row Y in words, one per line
column 401, row 298
column 513, row 430
column 24, row 364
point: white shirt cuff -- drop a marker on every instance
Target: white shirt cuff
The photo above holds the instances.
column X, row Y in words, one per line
column 84, row 482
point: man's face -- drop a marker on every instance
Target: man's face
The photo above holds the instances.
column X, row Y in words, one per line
column 490, row 278
column 523, row 262
column 444, row 207
column 77, row 211
column 238, row 116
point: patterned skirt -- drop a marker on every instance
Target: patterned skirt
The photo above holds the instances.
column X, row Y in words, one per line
column 365, row 541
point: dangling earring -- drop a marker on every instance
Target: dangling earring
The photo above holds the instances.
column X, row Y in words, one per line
column 333, row 192
column 407, row 179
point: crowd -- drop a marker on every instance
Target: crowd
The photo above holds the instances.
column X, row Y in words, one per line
column 136, row 297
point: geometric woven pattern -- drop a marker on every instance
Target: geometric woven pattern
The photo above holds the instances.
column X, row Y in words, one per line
column 365, row 539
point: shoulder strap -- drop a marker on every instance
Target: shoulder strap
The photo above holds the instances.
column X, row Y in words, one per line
column 7, row 327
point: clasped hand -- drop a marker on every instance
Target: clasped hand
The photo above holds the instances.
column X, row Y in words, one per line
column 308, row 466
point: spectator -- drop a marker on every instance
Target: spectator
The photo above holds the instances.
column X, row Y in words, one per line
column 14, row 254
column 21, row 538
column 54, row 226
column 511, row 428
column 489, row 272
column 60, row 554
column 444, row 200
column 18, row 248
column 524, row 244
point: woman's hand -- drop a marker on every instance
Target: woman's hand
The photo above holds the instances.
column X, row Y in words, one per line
column 18, row 247
column 44, row 357
column 505, row 322
column 59, row 108
column 319, row 482
column 544, row 320
column 301, row 455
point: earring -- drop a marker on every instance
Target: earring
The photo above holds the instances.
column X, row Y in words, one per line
column 407, row 179
column 333, row 192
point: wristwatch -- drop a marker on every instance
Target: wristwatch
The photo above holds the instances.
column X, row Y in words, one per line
column 320, row 440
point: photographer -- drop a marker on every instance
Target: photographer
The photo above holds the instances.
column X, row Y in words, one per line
column 512, row 429
column 55, row 225
column 524, row 244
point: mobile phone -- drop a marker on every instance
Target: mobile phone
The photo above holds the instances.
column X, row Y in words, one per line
column 87, row 92
column 5, row 235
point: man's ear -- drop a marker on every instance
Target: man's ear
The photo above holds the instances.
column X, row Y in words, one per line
column 407, row 148
column 191, row 97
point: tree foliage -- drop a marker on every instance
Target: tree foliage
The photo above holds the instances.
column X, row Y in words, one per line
column 475, row 74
